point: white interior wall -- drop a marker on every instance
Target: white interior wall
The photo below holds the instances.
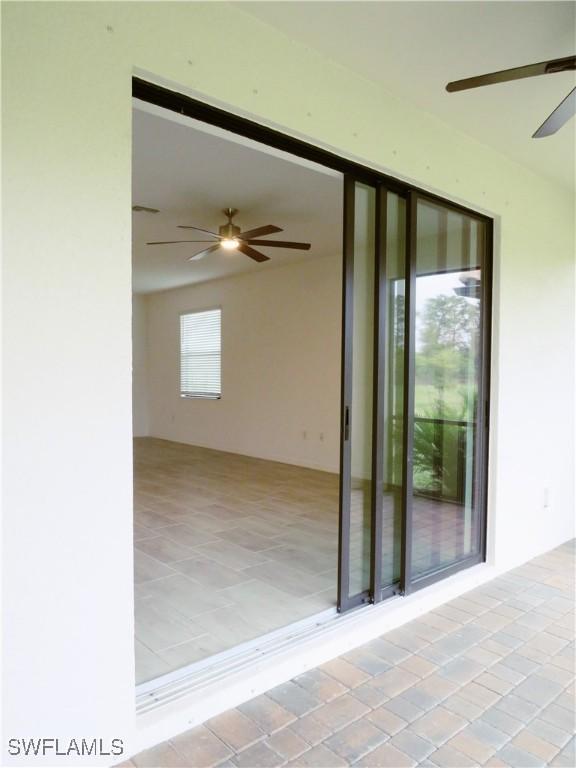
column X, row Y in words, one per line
column 67, row 652
column 280, row 364
column 140, row 405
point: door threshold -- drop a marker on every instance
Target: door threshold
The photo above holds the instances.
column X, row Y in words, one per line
column 164, row 688
column 167, row 707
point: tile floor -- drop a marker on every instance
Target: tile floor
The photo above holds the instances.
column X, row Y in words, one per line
column 485, row 680
column 228, row 548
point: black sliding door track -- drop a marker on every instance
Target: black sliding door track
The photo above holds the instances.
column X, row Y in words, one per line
column 199, row 110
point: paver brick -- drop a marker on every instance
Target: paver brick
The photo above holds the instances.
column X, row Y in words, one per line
column 530, row 742
column 448, row 757
column 257, row 756
column 387, row 721
column 517, row 757
column 294, row 698
column 287, row 743
column 163, row 754
column 412, row 744
column 346, row 673
column 235, row 729
column 310, row 729
column 394, row 681
column 341, row 711
column 438, row 725
column 538, row 690
column 387, row 756
column 472, row 746
column 355, row 740
column 266, row 713
column 321, row 685
column 319, row 757
column 201, row 748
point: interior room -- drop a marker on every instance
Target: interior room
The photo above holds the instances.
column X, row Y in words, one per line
column 236, row 391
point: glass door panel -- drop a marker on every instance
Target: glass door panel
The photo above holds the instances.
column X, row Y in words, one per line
column 362, row 396
column 415, row 341
column 394, row 293
column 447, row 373
column 357, row 397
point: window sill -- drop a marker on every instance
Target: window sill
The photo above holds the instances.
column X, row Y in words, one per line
column 185, row 396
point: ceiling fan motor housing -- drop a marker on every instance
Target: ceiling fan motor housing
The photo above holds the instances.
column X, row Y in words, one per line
column 229, row 231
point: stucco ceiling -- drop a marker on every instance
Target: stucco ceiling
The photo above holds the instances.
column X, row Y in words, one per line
column 190, row 172
column 414, row 48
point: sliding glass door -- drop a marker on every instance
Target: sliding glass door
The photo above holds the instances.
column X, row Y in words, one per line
column 414, row 391
column 448, row 316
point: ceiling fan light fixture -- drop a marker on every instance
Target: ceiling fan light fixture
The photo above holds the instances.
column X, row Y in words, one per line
column 230, row 243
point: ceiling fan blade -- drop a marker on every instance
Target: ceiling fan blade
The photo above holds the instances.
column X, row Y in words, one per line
column 171, row 242
column 256, row 255
column 516, row 73
column 205, row 252
column 563, row 112
column 281, row 244
column 208, row 231
column 269, row 229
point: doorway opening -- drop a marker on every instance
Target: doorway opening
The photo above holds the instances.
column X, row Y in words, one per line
column 318, row 426
column 236, row 390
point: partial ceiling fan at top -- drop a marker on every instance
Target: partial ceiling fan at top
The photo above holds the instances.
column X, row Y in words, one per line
column 230, row 237
column 563, row 112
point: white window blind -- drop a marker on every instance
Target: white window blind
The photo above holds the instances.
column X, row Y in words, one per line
column 200, row 342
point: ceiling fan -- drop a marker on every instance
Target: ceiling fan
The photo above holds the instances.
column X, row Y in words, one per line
column 563, row 112
column 231, row 238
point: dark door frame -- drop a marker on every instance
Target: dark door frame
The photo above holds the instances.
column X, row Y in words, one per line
column 383, row 183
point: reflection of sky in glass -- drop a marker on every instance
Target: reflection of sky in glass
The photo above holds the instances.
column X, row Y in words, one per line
column 443, row 284
column 430, row 286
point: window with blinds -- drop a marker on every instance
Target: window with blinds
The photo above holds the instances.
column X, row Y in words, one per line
column 200, row 343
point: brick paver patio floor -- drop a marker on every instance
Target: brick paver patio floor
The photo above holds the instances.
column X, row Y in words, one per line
column 485, row 680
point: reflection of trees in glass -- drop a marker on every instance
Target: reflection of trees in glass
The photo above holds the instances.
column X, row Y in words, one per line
column 447, row 328
column 445, row 370
column 448, row 322
column 398, row 322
